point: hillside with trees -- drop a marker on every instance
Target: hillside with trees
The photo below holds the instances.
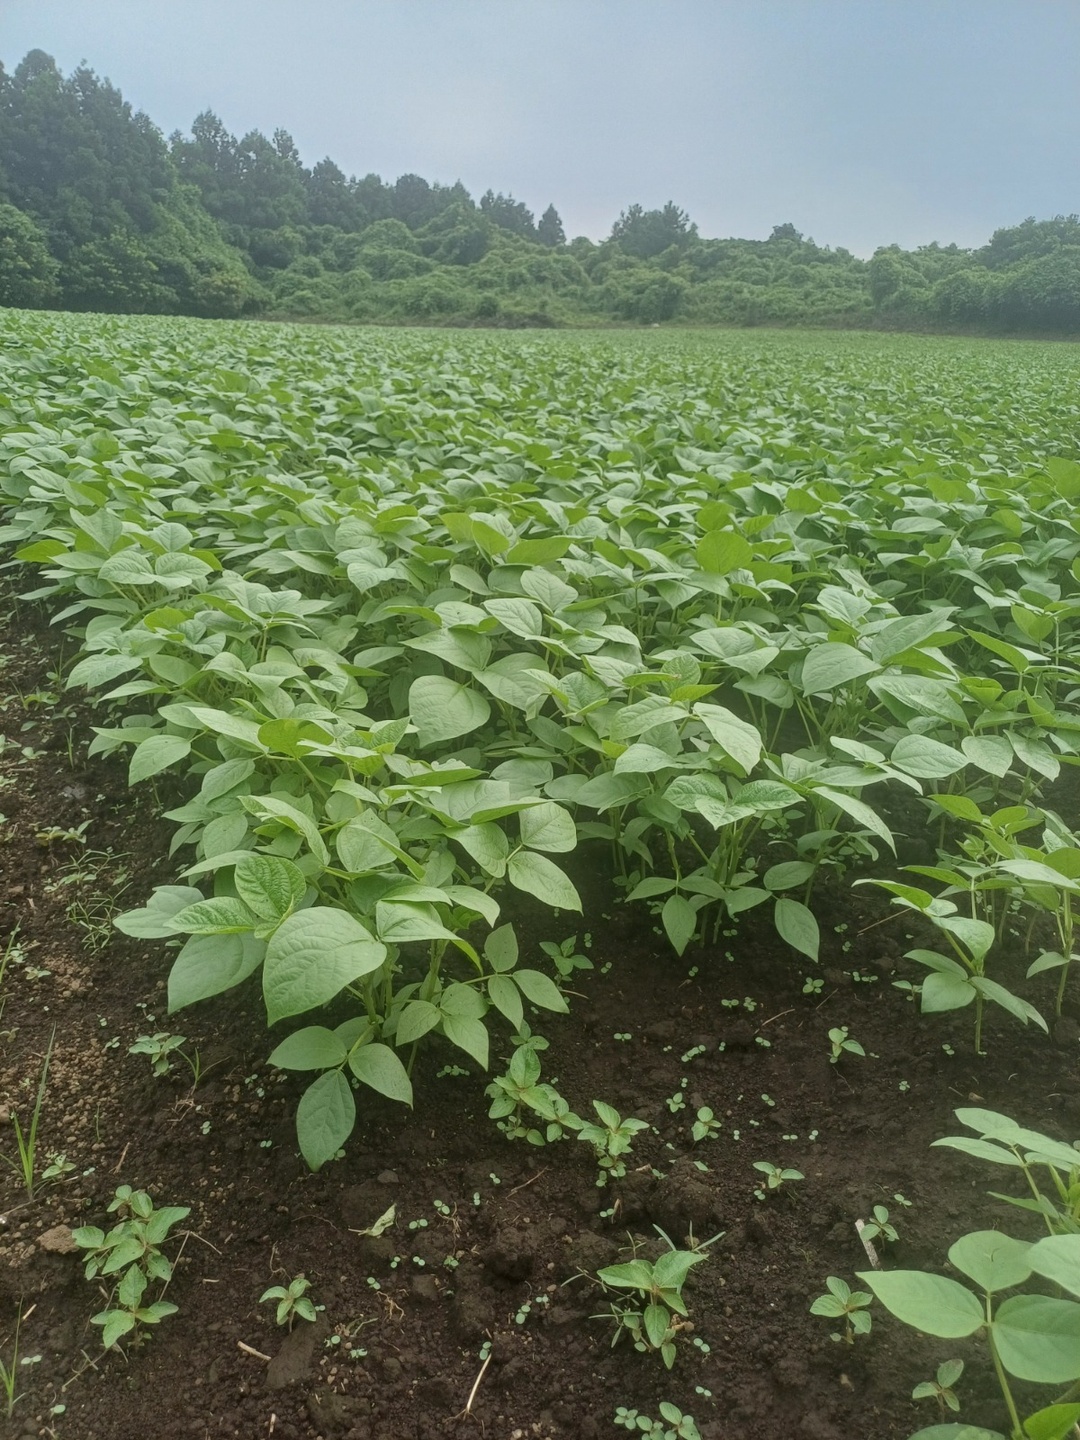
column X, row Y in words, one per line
column 100, row 211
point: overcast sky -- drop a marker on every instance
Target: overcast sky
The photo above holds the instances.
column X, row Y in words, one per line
column 865, row 122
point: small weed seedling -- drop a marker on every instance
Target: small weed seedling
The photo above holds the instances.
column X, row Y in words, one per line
column 852, row 1306
column 566, row 956
column 611, row 1139
column 10, row 1370
column 706, row 1126
column 775, row 1177
column 660, row 1313
column 135, row 1241
column 26, row 1141
column 941, row 1387
column 880, row 1227
column 158, row 1047
column 292, row 1301
column 672, row 1425
column 841, row 1045
column 126, row 1312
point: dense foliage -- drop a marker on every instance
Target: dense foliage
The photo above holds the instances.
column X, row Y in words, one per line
column 413, row 616
column 99, row 212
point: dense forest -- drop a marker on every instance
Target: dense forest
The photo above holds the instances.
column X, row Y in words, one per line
column 99, row 211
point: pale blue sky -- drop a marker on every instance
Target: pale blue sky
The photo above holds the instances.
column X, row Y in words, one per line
column 862, row 121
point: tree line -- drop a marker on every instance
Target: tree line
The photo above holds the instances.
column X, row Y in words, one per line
column 99, row 211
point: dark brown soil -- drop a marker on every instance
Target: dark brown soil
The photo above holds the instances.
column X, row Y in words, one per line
column 509, row 1232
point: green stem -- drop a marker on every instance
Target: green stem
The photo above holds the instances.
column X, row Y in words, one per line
column 1017, row 1428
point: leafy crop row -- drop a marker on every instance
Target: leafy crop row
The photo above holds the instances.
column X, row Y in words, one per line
column 413, row 618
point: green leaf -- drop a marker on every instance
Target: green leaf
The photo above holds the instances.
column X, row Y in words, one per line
column 926, row 759
column 795, row 923
column 501, row 948
column 1057, row 1257
column 721, row 551
column 313, row 1048
column 548, row 827
column 467, row 1034
column 152, row 922
column 505, row 996
column 994, row 1261
column 312, row 956
column 220, row 916
column 991, row 753
column 269, row 885
column 945, row 992
column 1038, row 1338
column 679, row 919
column 417, row 1018
column 325, row 1118
column 831, row 664
column 442, row 709
column 210, row 964
column 1055, row 1422
column 155, row 755
column 540, row 990
column 538, row 876
column 376, row 1066
column 734, row 736
column 859, row 811
column 931, row 1303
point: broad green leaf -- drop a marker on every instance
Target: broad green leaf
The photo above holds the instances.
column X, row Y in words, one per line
column 210, row 964
column 155, row 755
column 538, row 876
column 442, row 709
column 795, row 923
column 1058, row 1258
column 721, row 551
column 312, row 1048
column 269, row 885
column 926, row 759
column 540, row 990
column 931, row 1303
column 994, row 1261
column 220, row 916
column 378, row 1067
column 312, row 956
column 152, row 921
column 1054, row 1422
column 830, row 665
column 735, row 737
column 325, row 1118
column 680, row 920
column 548, row 827
column 1038, row 1338
column 506, row 997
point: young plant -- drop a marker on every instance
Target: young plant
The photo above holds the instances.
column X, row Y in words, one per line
column 880, row 1227
column 705, row 1127
column 519, row 1091
column 1030, row 1336
column 158, row 1047
column 1002, row 1141
column 136, row 1239
column 843, row 1303
column 10, row 1369
column 611, row 1139
column 959, row 979
column 126, row 1312
column 26, row 1141
column 660, row 1312
column 840, row 1045
column 672, row 1425
column 292, row 1301
column 776, row 1177
column 941, row 1387
column 566, row 956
